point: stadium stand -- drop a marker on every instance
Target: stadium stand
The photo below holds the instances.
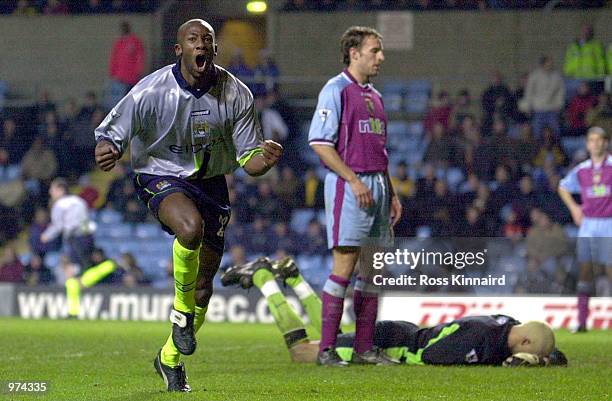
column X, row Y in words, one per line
column 454, row 193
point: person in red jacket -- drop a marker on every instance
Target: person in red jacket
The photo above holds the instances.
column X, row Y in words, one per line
column 578, row 109
column 127, row 63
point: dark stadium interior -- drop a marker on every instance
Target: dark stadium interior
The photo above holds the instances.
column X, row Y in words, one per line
column 465, row 161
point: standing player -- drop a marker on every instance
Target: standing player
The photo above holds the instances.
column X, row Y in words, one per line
column 348, row 133
column 70, row 219
column 593, row 180
column 187, row 125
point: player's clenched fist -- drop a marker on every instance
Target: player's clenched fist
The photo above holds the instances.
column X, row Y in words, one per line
column 272, row 152
column 106, row 155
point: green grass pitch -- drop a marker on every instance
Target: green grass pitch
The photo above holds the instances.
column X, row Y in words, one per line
column 95, row 360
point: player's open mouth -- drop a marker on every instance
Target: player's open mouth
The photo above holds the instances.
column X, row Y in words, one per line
column 200, row 61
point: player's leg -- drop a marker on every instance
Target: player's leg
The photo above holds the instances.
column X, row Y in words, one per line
column 259, row 273
column 365, row 296
column 209, row 263
column 179, row 213
column 347, row 224
column 584, row 290
column 287, row 270
column 334, row 291
column 586, row 253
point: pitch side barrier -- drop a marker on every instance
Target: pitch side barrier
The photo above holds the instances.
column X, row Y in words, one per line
column 238, row 306
column 142, row 304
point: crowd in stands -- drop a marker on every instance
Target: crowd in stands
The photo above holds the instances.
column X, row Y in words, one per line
column 67, row 7
column 486, row 166
column 367, row 5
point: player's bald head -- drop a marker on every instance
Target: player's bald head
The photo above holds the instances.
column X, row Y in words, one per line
column 180, row 34
column 541, row 338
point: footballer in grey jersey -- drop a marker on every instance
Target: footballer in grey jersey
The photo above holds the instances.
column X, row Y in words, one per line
column 187, row 125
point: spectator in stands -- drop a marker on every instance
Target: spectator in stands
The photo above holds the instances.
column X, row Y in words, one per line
column 238, row 67
column 519, row 93
column 502, row 147
column 584, row 58
column 511, row 228
column 237, row 254
column 11, row 268
column 265, row 204
column 287, row 189
column 526, row 200
column 127, row 63
column 601, row 114
column 444, row 213
column 286, row 240
column 25, row 8
column 546, row 241
column 503, row 189
column 266, row 72
column 315, row 241
column 544, row 97
column 464, row 107
column 474, row 224
column 439, row 111
column 38, row 226
column 39, row 162
column 551, row 201
column 550, row 151
column 43, row 105
column 259, row 237
column 439, row 149
column 525, row 148
column 579, row 108
column 402, row 183
column 130, row 274
column 272, row 123
column 56, row 7
column 497, row 98
column 313, row 190
column 36, row 273
column 135, row 211
column 15, row 143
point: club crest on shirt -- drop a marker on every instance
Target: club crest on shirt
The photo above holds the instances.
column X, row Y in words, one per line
column 199, row 125
column 369, row 104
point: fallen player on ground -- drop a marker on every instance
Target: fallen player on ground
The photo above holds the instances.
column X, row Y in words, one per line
column 483, row 340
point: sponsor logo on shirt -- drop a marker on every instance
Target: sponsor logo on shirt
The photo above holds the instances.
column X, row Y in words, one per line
column 598, row 191
column 372, row 126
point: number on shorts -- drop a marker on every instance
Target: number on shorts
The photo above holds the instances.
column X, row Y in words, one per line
column 223, row 220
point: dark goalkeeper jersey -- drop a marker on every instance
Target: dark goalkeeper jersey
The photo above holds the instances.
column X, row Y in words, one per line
column 469, row 340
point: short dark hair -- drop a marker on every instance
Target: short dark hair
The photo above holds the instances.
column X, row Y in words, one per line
column 354, row 37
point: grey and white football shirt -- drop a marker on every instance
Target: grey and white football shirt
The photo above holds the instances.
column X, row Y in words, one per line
column 174, row 129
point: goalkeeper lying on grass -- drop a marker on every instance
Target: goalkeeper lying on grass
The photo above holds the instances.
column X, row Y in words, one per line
column 484, row 340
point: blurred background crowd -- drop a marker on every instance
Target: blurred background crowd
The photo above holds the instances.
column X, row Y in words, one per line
column 465, row 164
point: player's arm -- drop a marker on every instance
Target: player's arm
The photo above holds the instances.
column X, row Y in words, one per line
column 323, row 135
column 54, row 229
column 263, row 158
column 396, row 204
column 115, row 131
column 567, row 186
column 332, row 160
column 255, row 155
